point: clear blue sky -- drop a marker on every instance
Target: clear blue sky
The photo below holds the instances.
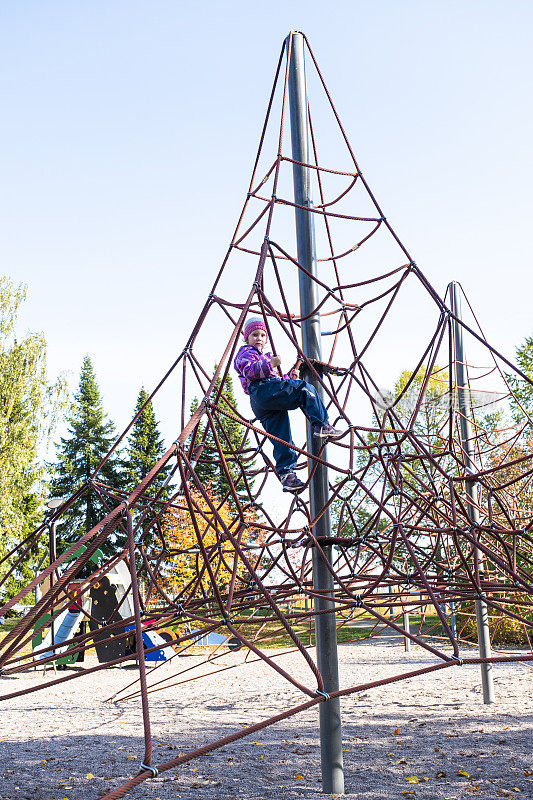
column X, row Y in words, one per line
column 128, row 135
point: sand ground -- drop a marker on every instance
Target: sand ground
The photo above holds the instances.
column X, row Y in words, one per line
column 428, row 738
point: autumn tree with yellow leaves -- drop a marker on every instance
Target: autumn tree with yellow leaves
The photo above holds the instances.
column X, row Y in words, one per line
column 196, row 537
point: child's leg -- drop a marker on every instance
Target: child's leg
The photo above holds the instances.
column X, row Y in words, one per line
column 288, row 395
column 275, row 420
column 311, row 403
column 277, row 424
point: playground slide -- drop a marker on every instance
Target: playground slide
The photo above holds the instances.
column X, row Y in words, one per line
column 65, row 626
column 153, row 639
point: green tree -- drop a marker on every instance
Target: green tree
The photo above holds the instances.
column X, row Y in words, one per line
column 90, row 436
column 428, row 424
column 522, row 402
column 29, row 407
column 145, row 448
column 230, row 435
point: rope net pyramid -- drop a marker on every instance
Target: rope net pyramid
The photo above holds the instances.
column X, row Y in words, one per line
column 419, row 524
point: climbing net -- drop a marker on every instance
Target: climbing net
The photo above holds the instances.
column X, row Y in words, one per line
column 419, row 524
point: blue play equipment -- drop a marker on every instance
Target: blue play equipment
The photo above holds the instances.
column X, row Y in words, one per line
column 153, row 639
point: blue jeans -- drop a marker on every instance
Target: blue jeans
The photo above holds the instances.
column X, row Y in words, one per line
column 271, row 399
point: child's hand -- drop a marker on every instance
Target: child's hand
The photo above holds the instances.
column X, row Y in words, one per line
column 275, row 361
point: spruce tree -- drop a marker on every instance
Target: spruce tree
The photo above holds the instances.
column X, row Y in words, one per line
column 145, row 448
column 230, row 436
column 90, row 438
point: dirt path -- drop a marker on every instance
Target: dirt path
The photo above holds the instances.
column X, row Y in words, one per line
column 427, row 738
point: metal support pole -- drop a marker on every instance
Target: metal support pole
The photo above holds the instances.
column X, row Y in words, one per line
column 325, row 627
column 407, row 629
column 52, row 550
column 467, row 440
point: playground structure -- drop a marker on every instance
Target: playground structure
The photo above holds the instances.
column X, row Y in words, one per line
column 418, row 511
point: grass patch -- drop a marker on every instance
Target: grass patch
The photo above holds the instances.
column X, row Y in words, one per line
column 274, row 636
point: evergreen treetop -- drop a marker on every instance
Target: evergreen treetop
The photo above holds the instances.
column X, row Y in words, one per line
column 230, row 436
column 145, row 448
column 90, row 437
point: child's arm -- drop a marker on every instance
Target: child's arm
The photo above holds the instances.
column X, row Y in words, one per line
column 253, row 365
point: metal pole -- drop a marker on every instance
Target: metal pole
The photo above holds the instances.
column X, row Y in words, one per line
column 407, row 629
column 52, row 549
column 325, row 627
column 467, row 440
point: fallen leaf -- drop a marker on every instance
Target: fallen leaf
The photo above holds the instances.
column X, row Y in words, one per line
column 396, row 732
column 299, row 777
column 464, row 774
column 412, row 779
column 528, row 772
column 89, row 776
column 131, row 758
column 406, row 791
column 441, row 774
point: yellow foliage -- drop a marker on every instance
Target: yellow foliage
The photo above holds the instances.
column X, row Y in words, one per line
column 196, row 538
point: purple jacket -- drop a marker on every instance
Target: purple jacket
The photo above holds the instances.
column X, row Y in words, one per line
column 251, row 365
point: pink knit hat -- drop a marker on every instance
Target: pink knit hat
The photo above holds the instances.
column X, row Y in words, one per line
column 252, row 325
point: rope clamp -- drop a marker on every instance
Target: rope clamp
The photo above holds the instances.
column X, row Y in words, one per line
column 459, row 660
column 324, row 695
column 148, row 768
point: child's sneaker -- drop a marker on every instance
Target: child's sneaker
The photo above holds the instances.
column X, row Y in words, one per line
column 291, row 482
column 327, row 431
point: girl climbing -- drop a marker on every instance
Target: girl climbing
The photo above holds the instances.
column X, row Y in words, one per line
column 271, row 397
